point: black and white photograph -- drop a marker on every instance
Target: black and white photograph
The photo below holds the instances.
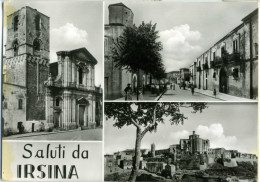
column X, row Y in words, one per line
column 52, row 88
column 181, row 51
column 175, row 141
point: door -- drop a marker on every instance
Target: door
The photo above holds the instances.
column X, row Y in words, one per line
column 33, row 127
column 223, row 79
column 81, row 115
column 56, row 119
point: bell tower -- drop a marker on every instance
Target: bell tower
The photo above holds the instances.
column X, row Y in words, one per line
column 27, row 57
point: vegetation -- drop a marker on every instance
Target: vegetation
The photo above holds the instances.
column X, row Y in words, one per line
column 145, row 117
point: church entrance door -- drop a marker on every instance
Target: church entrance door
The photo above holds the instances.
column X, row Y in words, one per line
column 81, row 115
column 57, row 119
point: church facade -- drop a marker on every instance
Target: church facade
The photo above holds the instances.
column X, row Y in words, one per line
column 27, row 95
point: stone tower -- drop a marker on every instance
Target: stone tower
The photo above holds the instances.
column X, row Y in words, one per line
column 119, row 14
column 153, row 150
column 27, row 57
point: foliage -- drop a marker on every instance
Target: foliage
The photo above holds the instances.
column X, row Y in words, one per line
column 138, row 48
column 148, row 114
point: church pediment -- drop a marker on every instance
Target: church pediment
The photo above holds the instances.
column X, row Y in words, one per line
column 83, row 101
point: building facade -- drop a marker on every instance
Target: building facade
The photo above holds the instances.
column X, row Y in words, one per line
column 32, row 98
column 184, row 75
column 173, row 77
column 72, row 98
column 231, row 65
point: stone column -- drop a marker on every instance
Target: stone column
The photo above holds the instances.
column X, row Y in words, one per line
column 67, row 110
column 59, row 65
column 89, row 77
column 86, row 80
column 73, row 116
column 73, row 72
column 94, row 109
column 93, row 78
column 77, row 76
column 66, row 71
column 90, row 109
column 69, row 71
column 86, row 116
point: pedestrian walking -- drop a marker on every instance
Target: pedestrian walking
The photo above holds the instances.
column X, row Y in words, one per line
column 140, row 92
column 192, row 89
column 128, row 92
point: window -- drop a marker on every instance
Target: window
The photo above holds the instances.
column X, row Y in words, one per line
column 80, row 76
column 38, row 22
column 57, row 103
column 256, row 49
column 16, row 21
column 214, row 56
column 36, row 46
column 235, row 73
column 20, row 104
column 235, row 46
column 15, row 47
column 223, row 50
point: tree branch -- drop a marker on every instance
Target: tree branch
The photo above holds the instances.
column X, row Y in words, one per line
column 150, row 125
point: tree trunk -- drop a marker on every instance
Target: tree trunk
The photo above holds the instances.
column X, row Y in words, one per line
column 136, row 159
column 137, row 90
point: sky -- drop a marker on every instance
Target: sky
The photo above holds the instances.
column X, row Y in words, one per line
column 228, row 125
column 73, row 24
column 187, row 29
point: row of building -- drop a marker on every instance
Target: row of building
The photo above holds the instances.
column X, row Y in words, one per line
column 38, row 95
column 187, row 149
column 230, row 66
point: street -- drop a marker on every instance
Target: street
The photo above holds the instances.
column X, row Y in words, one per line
column 185, row 95
column 79, row 135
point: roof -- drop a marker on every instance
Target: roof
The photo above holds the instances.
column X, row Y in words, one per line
column 250, row 15
column 81, row 53
column 119, row 4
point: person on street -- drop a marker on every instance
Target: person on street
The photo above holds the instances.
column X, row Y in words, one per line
column 192, row 89
column 128, row 92
column 140, row 92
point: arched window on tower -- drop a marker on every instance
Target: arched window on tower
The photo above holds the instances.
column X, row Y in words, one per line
column 38, row 22
column 16, row 21
column 15, row 47
column 80, row 75
column 36, row 47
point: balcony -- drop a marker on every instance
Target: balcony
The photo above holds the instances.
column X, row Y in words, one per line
column 205, row 66
column 212, row 64
column 235, row 57
column 198, row 68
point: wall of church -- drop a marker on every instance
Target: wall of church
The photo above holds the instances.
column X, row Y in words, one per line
column 36, row 101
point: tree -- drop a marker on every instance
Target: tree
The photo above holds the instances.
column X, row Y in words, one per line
column 138, row 49
column 145, row 116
